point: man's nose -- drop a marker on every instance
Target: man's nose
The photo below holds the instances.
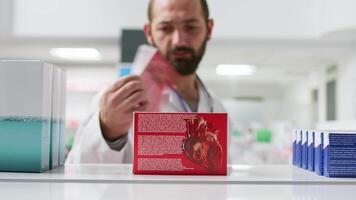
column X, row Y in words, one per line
column 180, row 38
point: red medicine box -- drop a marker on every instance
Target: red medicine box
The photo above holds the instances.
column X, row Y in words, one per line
column 180, row 143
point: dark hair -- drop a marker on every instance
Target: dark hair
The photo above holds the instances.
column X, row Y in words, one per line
column 203, row 3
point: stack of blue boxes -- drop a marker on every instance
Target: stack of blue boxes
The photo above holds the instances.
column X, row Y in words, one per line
column 32, row 110
column 327, row 153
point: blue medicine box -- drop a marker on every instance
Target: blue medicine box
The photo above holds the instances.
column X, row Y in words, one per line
column 294, row 148
column 305, row 149
column 311, row 150
column 299, row 149
column 340, row 154
column 318, row 153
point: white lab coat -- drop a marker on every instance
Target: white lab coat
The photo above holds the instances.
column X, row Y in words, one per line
column 90, row 147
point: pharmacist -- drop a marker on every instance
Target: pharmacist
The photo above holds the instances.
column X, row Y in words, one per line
column 180, row 30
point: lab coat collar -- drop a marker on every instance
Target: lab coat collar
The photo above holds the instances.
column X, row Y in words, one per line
column 170, row 100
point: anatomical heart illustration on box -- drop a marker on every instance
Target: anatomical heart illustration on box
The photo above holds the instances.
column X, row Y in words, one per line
column 202, row 145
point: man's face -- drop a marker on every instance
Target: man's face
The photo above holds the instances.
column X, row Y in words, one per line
column 180, row 32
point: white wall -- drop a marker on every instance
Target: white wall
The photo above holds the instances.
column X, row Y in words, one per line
column 231, row 88
column 77, row 18
column 263, row 19
column 83, row 83
column 345, row 77
column 266, row 104
column 346, row 88
column 297, row 103
column 282, row 19
column 299, row 95
column 321, row 77
column 334, row 16
column 273, row 20
column 6, row 16
column 97, row 18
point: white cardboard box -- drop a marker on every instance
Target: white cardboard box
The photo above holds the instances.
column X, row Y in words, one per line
column 25, row 115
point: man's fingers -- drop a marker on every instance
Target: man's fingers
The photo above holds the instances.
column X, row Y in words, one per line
column 118, row 96
column 136, row 100
column 142, row 107
column 127, row 90
column 123, row 81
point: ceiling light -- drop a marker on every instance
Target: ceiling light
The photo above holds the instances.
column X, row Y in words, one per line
column 80, row 54
column 235, row 70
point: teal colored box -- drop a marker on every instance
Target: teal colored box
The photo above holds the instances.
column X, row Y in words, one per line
column 25, row 115
column 55, row 116
column 24, row 144
column 62, row 103
column 54, row 144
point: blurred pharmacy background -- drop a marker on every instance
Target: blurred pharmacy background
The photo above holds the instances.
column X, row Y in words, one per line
column 300, row 54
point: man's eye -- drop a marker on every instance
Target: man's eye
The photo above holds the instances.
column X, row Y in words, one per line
column 190, row 28
column 165, row 29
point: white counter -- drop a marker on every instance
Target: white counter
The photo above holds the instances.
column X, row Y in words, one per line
column 117, row 182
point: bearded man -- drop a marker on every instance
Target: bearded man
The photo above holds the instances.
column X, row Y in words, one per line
column 180, row 30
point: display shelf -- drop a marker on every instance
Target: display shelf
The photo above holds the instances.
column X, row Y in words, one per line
column 161, row 191
column 237, row 175
column 112, row 182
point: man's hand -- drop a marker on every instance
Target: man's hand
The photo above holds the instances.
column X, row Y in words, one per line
column 118, row 104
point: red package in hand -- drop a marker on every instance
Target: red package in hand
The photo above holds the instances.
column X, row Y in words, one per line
column 180, row 143
column 155, row 71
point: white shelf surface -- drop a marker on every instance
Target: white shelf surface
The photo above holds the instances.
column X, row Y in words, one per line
column 89, row 191
column 238, row 174
column 112, row 182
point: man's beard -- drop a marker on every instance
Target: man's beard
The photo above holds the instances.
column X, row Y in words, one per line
column 188, row 65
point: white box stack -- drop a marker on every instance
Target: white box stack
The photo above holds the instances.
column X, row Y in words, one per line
column 29, row 106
